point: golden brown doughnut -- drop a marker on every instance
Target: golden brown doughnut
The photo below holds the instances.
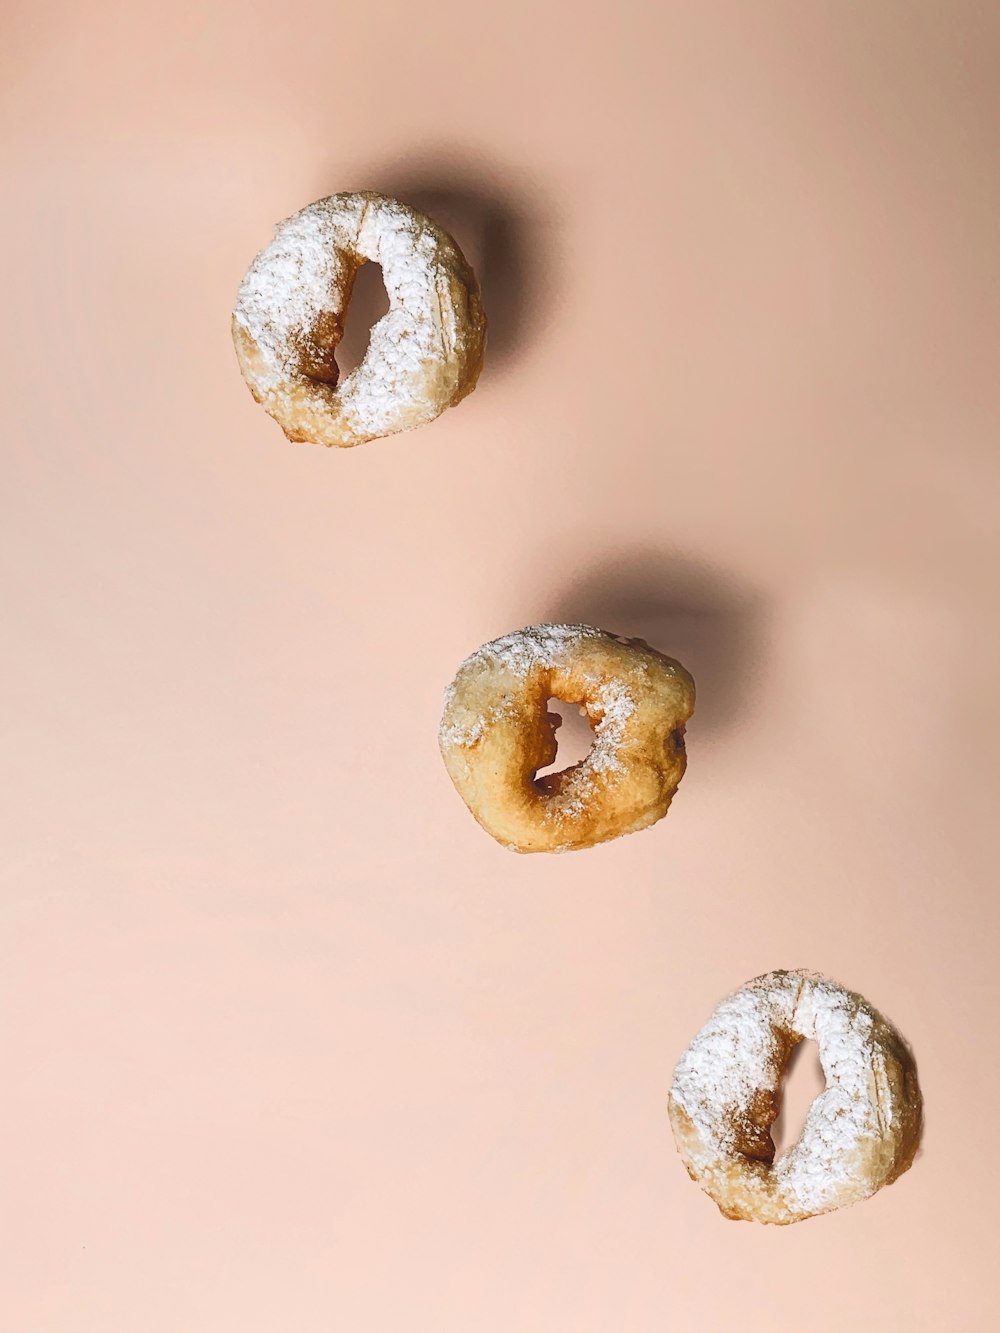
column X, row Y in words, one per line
column 424, row 355
column 861, row 1132
column 496, row 733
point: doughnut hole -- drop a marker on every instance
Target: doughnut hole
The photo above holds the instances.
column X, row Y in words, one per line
column 574, row 736
column 369, row 302
column 801, row 1084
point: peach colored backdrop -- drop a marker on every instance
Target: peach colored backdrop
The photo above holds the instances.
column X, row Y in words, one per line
column 287, row 1042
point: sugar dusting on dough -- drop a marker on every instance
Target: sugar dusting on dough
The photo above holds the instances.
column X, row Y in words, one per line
column 548, row 647
column 293, row 281
column 738, row 1053
column 498, row 740
column 616, row 707
column 305, row 274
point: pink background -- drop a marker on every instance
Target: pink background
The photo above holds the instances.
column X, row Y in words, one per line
column 287, row 1042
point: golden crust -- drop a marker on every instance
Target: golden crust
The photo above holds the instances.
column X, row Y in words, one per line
column 496, row 733
column 862, row 1132
column 424, row 355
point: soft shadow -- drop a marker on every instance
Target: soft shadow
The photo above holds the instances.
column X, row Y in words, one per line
column 501, row 229
column 711, row 624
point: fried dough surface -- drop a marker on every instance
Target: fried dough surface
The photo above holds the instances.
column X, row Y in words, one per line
column 860, row 1134
column 496, row 733
column 423, row 356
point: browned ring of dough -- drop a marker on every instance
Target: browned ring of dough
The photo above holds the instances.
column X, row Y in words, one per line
column 496, row 733
column 860, row 1133
column 423, row 356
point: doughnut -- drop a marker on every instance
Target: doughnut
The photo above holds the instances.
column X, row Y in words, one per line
column 496, row 733
column 861, row 1132
column 424, row 355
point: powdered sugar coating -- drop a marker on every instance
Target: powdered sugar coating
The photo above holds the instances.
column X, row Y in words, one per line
column 547, row 647
column 534, row 646
column 423, row 354
column 726, row 1093
column 496, row 735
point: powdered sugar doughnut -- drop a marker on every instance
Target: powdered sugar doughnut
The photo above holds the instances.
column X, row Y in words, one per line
column 424, row 355
column 861, row 1132
column 496, row 733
